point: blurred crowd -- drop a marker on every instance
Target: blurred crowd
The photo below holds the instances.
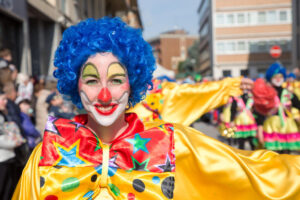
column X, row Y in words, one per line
column 25, row 103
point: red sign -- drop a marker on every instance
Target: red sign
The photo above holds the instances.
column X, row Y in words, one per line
column 275, row 51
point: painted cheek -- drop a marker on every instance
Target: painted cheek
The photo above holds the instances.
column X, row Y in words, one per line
column 118, row 92
column 125, row 86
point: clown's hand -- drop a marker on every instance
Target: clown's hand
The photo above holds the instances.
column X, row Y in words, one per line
column 246, row 84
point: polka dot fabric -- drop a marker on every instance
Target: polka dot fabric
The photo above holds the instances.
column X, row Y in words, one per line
column 141, row 163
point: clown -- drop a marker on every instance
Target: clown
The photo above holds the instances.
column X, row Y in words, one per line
column 277, row 129
column 243, row 119
column 105, row 67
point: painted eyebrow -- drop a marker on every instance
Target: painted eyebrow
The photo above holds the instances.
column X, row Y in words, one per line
column 125, row 69
column 89, row 74
column 118, row 74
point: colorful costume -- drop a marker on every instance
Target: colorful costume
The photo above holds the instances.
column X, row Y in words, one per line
column 280, row 130
column 95, row 61
column 225, row 119
column 185, row 103
column 245, row 127
column 244, row 121
column 72, row 163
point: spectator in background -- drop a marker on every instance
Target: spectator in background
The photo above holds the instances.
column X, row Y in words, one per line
column 6, row 55
column 41, row 80
column 9, row 139
column 56, row 107
column 32, row 134
column 13, row 110
column 41, row 107
column 5, row 73
column 25, row 87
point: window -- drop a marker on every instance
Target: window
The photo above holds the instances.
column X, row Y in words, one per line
column 244, row 72
column 220, row 19
column 271, row 43
column 251, row 18
column 63, row 6
column 220, row 47
column 253, row 46
column 182, row 53
column 271, row 17
column 230, row 46
column 241, row 46
column 226, row 73
column 241, row 18
column 262, row 46
column 204, row 30
column 283, row 16
column 261, row 17
column 230, row 19
column 283, row 44
column 203, row 9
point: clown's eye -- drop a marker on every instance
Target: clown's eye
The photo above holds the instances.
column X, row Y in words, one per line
column 116, row 81
column 91, row 82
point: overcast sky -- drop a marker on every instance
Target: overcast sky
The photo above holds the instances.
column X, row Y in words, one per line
column 163, row 15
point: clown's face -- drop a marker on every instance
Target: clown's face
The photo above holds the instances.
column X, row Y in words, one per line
column 277, row 80
column 104, row 88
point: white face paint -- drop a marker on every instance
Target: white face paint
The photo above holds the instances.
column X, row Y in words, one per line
column 104, row 88
column 104, row 120
column 277, row 80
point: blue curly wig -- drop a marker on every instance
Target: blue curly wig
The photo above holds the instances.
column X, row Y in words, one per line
column 92, row 36
column 275, row 68
column 291, row 75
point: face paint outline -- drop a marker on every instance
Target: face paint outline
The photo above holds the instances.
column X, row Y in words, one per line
column 118, row 105
column 90, row 78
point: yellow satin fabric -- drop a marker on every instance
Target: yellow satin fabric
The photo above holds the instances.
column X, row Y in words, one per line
column 122, row 179
column 29, row 184
column 209, row 169
column 206, row 169
column 186, row 103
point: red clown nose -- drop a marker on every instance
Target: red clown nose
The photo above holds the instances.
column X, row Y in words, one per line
column 104, row 96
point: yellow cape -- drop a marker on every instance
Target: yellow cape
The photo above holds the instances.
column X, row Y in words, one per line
column 208, row 169
column 186, row 103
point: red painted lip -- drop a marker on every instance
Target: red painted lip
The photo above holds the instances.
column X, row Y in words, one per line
column 109, row 112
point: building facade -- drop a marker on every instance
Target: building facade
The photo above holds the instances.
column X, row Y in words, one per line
column 32, row 29
column 296, row 34
column 171, row 47
column 241, row 33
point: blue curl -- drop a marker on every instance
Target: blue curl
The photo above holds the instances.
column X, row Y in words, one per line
column 92, row 36
column 275, row 68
